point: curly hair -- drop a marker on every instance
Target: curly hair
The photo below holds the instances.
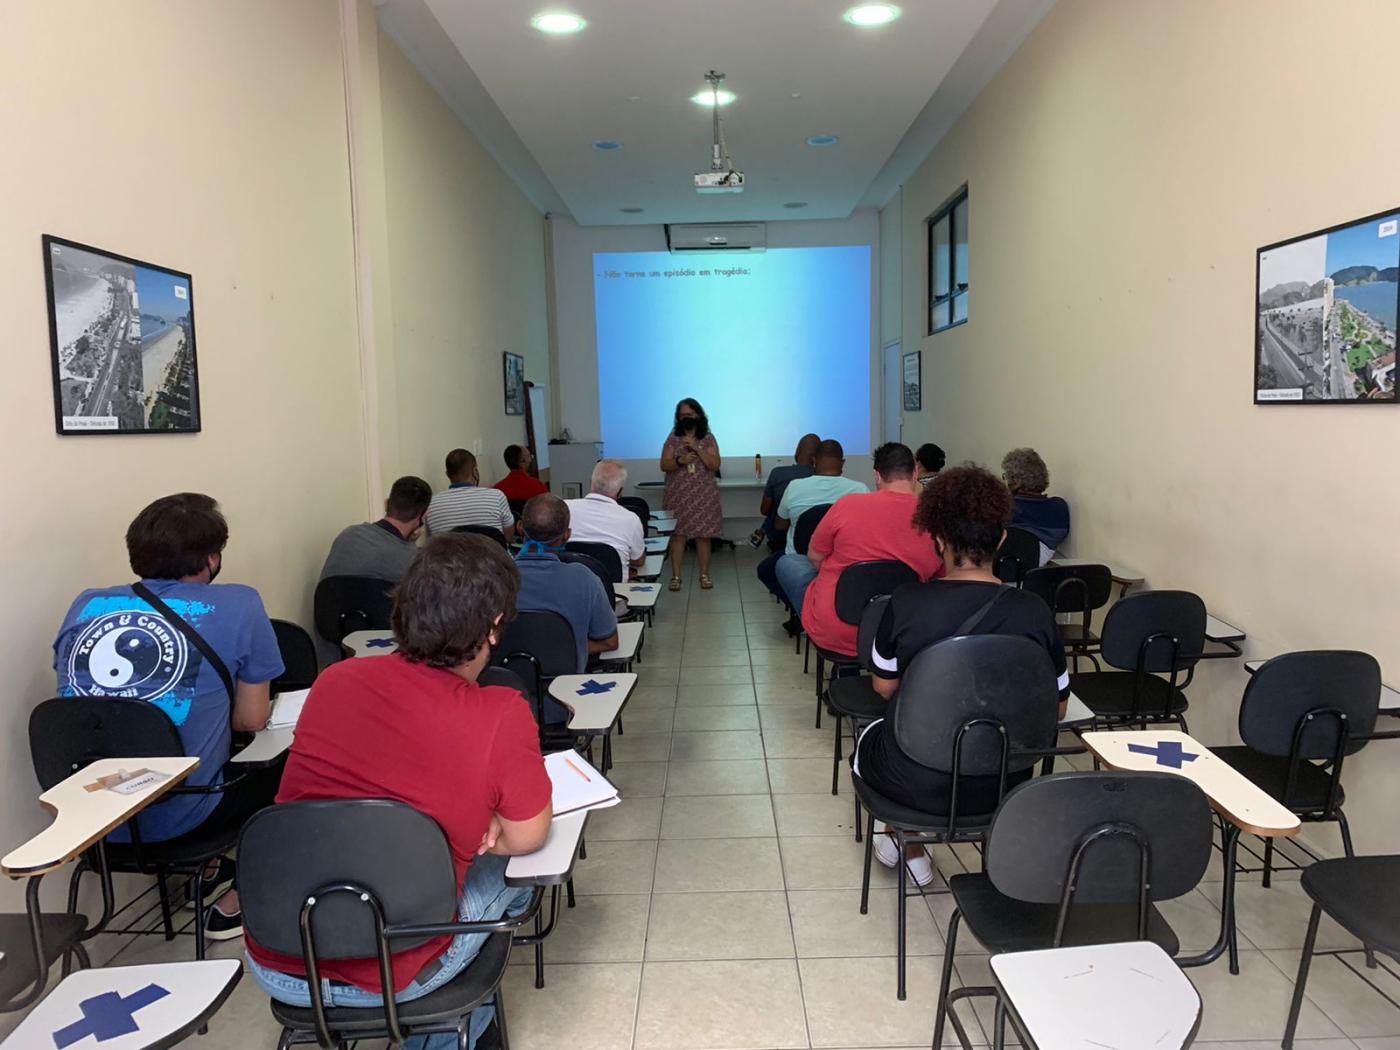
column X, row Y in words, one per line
column 967, row 507
column 446, row 605
column 1024, row 471
column 702, row 421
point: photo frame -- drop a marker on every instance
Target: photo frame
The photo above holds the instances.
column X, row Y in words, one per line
column 1325, row 307
column 911, row 381
column 514, row 367
column 121, row 343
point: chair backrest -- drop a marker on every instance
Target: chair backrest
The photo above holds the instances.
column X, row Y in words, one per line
column 545, row 636
column 968, row 703
column 1018, row 554
column 299, row 663
column 490, row 532
column 639, row 507
column 805, row 525
column 605, row 554
column 864, row 581
column 68, row 733
column 1085, row 835
column 1071, row 588
column 1155, row 631
column 351, row 603
column 517, row 507
column 290, row 853
column 594, row 566
column 1286, row 689
column 869, row 626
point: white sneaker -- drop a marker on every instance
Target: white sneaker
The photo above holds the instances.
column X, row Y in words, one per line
column 886, row 852
column 920, row 867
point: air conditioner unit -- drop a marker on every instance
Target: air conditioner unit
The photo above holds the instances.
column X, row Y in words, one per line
column 717, row 237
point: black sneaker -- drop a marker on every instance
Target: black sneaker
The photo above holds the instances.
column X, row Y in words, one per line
column 216, row 885
column 756, row 539
column 221, row 927
column 490, row 1038
column 793, row 626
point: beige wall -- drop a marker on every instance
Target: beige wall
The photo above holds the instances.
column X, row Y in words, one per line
column 212, row 138
column 1123, row 168
column 467, row 270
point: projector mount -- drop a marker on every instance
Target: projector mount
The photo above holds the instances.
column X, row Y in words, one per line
column 722, row 177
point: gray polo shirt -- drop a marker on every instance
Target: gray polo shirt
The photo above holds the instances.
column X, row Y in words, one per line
column 371, row 548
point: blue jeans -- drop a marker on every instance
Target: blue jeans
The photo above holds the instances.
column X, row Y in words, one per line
column 484, row 896
column 795, row 574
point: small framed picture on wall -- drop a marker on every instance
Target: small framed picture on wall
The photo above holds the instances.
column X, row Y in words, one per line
column 912, row 381
column 515, row 384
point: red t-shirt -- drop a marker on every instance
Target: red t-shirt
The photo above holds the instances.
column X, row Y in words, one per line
column 385, row 727
column 864, row 526
column 519, row 485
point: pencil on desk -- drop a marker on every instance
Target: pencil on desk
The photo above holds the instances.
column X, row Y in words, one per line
column 576, row 769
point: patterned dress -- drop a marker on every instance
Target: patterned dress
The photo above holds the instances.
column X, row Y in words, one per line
column 692, row 493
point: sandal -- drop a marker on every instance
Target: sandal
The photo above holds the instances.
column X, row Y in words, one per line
column 675, row 583
column 706, row 583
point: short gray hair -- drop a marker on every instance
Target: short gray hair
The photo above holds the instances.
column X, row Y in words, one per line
column 609, row 477
column 1024, row 471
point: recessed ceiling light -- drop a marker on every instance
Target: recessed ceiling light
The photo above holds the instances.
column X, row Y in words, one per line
column 631, row 211
column 795, row 204
column 708, row 97
column 558, row 23
column 606, row 145
column 823, row 140
column 867, row 15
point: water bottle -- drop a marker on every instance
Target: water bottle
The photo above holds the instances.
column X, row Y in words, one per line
column 757, row 467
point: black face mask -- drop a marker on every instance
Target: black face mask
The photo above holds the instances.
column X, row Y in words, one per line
column 214, row 572
column 688, row 425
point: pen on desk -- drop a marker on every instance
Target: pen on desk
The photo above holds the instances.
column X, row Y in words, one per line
column 576, row 769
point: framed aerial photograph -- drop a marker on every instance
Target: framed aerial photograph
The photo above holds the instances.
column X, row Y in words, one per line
column 515, row 384
column 1325, row 306
column 121, row 336
column 912, row 381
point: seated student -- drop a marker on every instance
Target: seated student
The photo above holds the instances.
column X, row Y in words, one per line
column 599, row 518
column 383, row 549
column 962, row 510
column 569, row 589
column 520, row 484
column 465, row 502
column 776, row 485
column 1044, row 517
column 791, row 573
column 865, row 526
column 417, row 728
column 931, row 459
column 176, row 548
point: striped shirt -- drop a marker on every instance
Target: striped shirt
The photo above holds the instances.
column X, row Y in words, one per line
column 468, row 505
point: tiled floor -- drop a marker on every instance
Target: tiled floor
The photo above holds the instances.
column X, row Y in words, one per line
column 717, row 907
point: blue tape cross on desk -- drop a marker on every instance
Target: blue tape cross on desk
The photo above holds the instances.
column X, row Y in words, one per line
column 643, row 588
column 108, row 1016
column 1167, row 753
column 593, row 687
column 379, row 643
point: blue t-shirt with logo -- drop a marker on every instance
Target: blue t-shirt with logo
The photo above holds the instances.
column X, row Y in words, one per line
column 113, row 644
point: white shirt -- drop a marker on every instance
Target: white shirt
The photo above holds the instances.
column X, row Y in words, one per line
column 601, row 519
column 469, row 505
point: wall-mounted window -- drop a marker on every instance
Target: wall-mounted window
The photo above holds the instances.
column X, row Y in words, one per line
column 947, row 264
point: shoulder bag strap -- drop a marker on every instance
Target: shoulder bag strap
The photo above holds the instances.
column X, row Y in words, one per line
column 195, row 638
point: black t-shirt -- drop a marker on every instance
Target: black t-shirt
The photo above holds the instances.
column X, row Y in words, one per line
column 920, row 614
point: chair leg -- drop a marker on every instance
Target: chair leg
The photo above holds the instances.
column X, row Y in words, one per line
column 1302, row 979
column 1268, row 862
column 199, row 913
column 569, row 890
column 806, row 653
column 999, row 1022
column 940, row 1016
column 1345, row 827
column 857, row 821
column 836, row 759
column 903, row 913
column 869, row 853
column 165, row 916
column 539, row 953
column 501, row 1029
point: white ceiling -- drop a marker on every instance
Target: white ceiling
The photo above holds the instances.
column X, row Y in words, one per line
column 538, row 102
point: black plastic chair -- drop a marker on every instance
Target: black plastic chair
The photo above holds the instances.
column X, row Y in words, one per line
column 856, row 587
column 299, row 663
column 639, row 507
column 1079, row 858
column 982, row 706
column 517, row 507
column 348, row 880
column 853, row 697
column 1073, row 589
column 1018, row 554
column 345, row 604
column 594, row 566
column 1145, row 635
column 68, row 733
column 1302, row 715
column 539, row 646
column 604, row 553
column 1363, row 895
column 802, row 530
column 489, row 531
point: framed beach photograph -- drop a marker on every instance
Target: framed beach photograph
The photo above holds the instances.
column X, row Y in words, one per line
column 515, row 384
column 1325, row 312
column 912, row 384
column 121, row 337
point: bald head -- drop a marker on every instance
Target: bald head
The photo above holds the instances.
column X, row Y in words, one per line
column 546, row 519
column 609, row 478
column 830, row 459
column 806, row 449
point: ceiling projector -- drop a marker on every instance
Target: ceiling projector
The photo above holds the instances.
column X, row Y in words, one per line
column 721, row 178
